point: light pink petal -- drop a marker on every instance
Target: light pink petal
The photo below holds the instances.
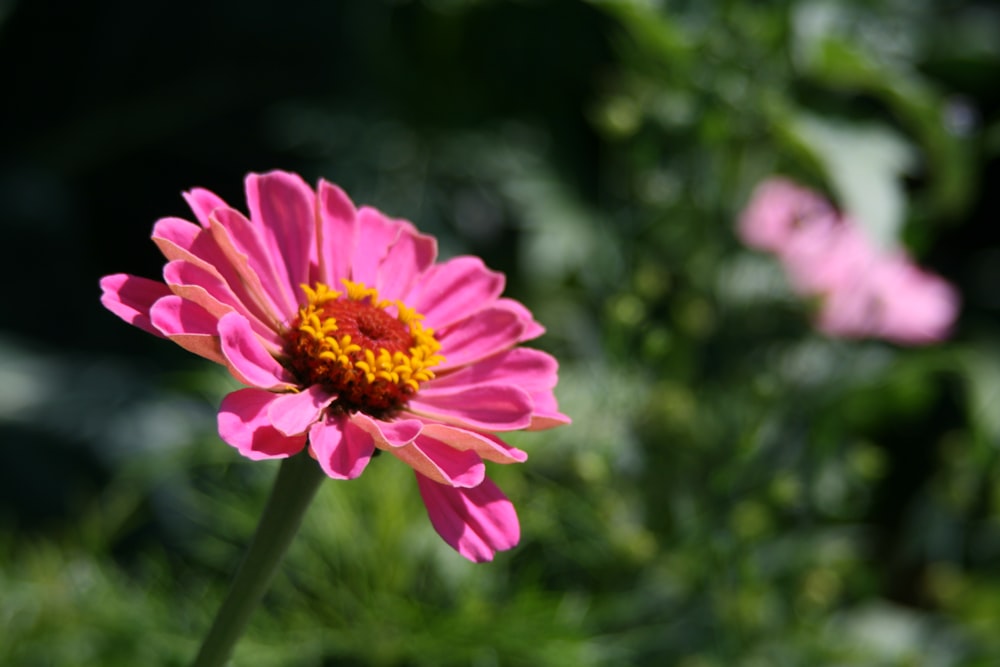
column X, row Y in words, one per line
column 202, row 203
column 480, row 335
column 476, row 522
column 919, row 311
column 244, row 423
column 852, row 311
column 777, row 210
column 376, row 232
column 248, row 359
column 342, row 449
column 131, row 297
column 486, row 407
column 820, row 260
column 294, row 413
column 894, row 300
column 406, row 260
column 449, row 291
column 189, row 325
column 250, row 256
column 337, row 234
column 442, row 463
column 206, row 287
column 283, row 208
column 488, row 447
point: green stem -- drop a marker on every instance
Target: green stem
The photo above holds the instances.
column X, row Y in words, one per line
column 296, row 484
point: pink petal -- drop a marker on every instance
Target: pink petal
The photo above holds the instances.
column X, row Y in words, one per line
column 244, row 423
column 532, row 370
column 173, row 315
column 283, row 207
column 919, row 308
column 442, row 463
column 189, row 325
column 432, row 458
column 336, row 235
column 131, row 297
column 546, row 414
column 448, row 291
column 250, row 256
column 388, row 435
column 342, row 449
column 175, row 237
column 894, row 300
column 849, row 312
column 488, row 447
column 532, row 329
column 376, row 232
column 777, row 209
column 522, row 366
column 201, row 284
column 487, row 407
column 293, row 413
column 180, row 240
column 202, row 203
column 480, row 335
column 476, row 522
column 196, row 283
column 406, row 260
column 247, row 359
column 825, row 259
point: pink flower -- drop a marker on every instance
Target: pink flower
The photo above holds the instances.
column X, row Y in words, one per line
column 351, row 339
column 862, row 290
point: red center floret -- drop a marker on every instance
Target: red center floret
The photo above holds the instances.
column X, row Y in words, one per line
column 351, row 345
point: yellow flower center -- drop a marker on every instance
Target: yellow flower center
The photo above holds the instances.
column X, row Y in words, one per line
column 372, row 353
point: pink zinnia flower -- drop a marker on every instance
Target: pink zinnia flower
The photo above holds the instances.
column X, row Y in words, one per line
column 863, row 291
column 352, row 339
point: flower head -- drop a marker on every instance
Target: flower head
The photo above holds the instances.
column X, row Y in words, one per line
column 863, row 291
column 351, row 339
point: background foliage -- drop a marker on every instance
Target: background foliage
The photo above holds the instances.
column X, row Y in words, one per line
column 735, row 488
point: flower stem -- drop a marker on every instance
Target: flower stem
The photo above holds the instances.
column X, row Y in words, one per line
column 296, row 484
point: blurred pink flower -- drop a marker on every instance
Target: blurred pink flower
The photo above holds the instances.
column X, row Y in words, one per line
column 351, row 339
column 862, row 291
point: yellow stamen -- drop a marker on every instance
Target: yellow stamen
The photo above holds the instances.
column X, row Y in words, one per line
column 352, row 343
